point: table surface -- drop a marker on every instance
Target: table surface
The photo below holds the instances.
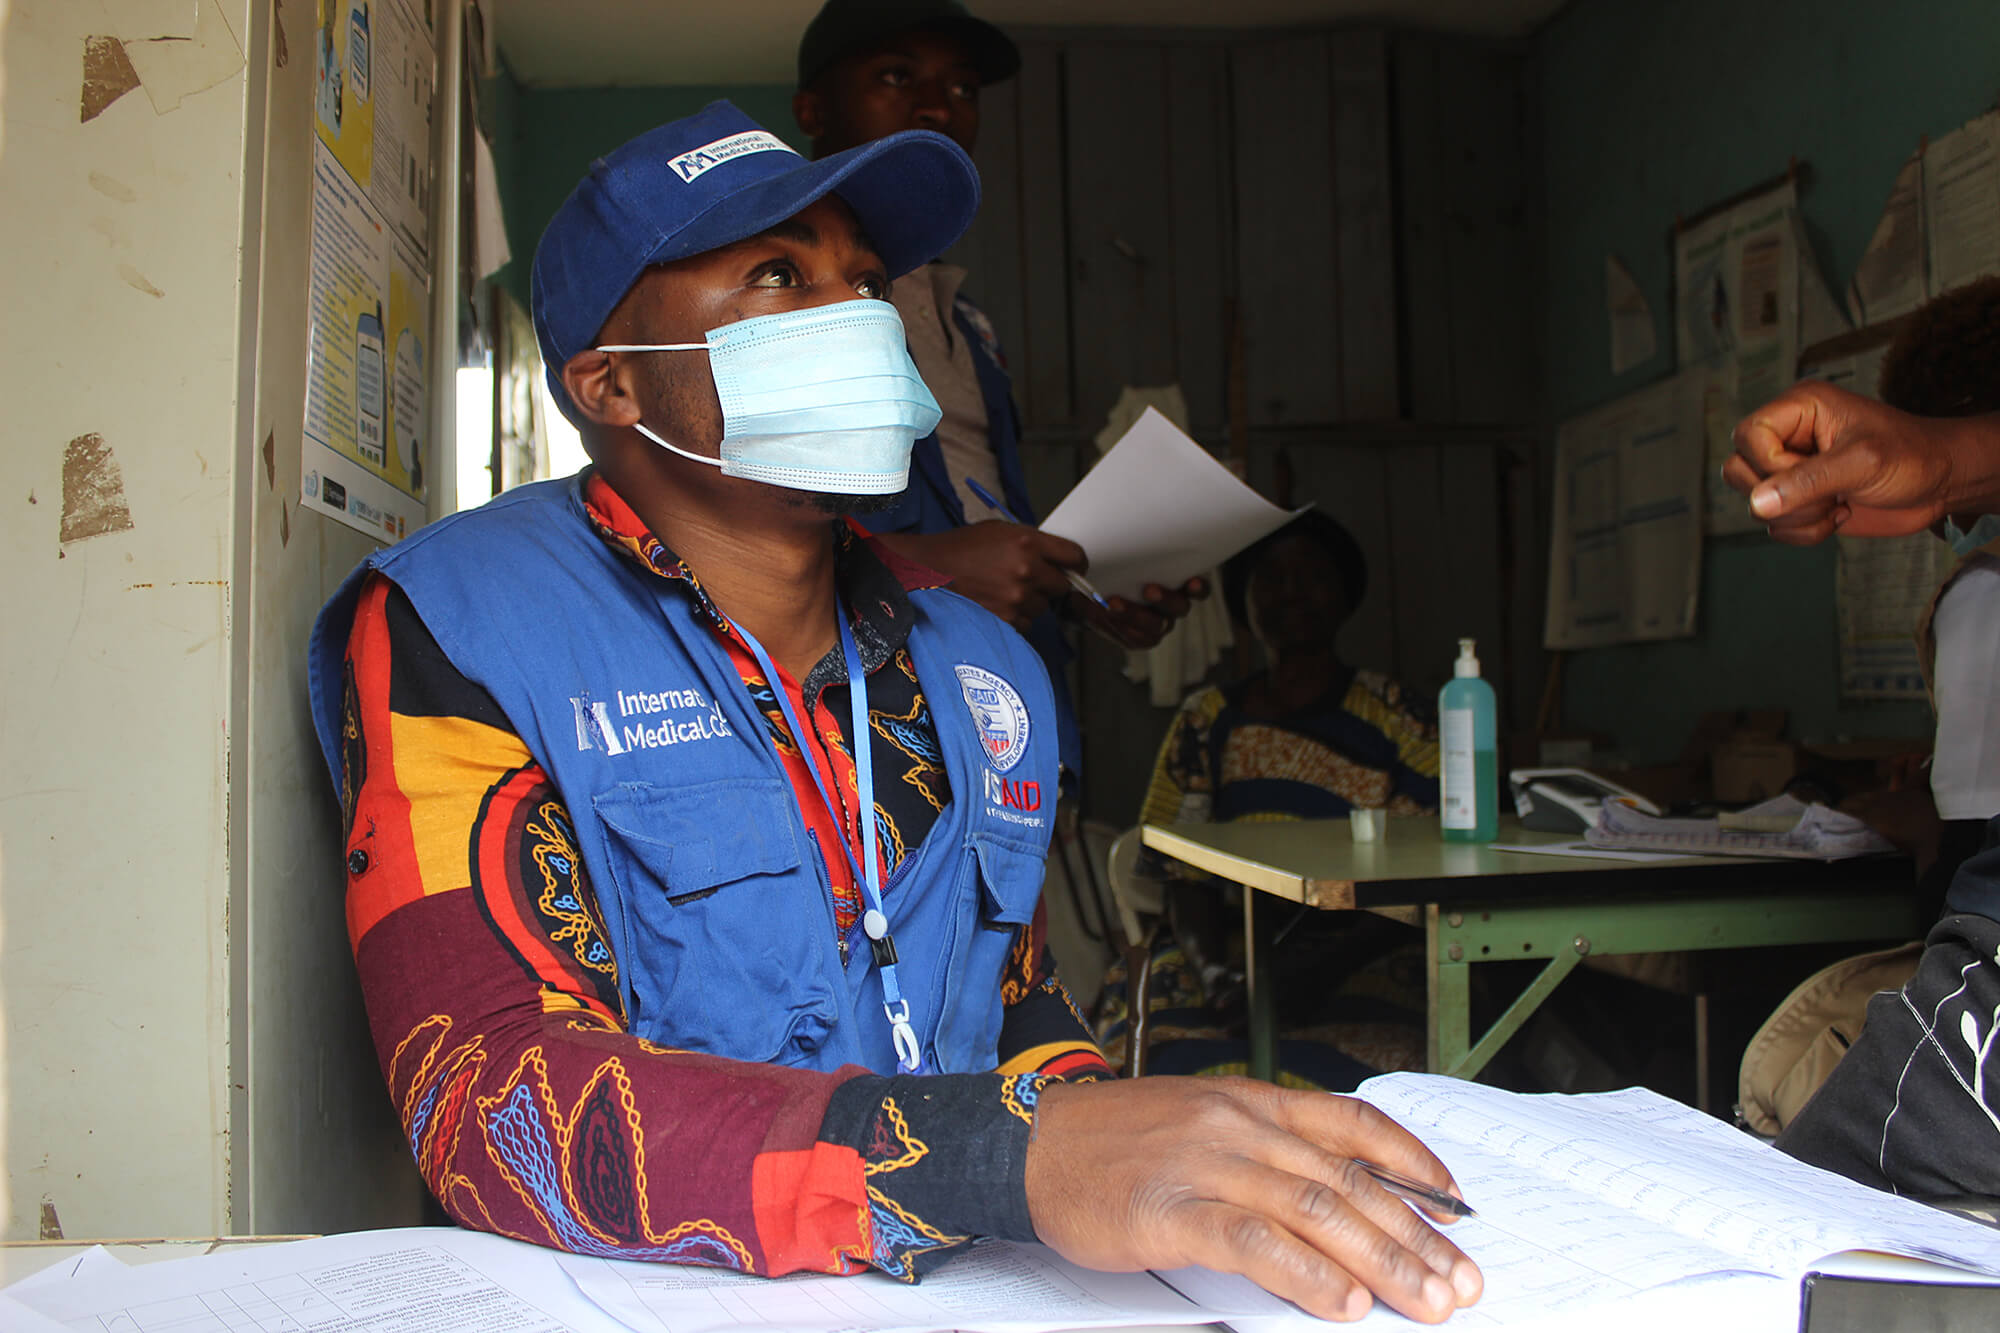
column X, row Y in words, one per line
column 1317, row 862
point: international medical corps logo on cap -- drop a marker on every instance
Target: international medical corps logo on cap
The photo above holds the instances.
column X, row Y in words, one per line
column 694, row 162
column 998, row 713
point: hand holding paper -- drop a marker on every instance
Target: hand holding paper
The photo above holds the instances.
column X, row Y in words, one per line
column 1160, row 509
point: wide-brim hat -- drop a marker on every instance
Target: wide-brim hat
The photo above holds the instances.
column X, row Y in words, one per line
column 715, row 178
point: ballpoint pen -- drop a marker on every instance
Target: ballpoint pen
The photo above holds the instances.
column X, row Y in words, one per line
column 1416, row 1191
column 1076, row 580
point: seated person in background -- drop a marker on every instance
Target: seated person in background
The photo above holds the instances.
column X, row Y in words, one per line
column 1306, row 737
column 1909, row 1107
column 1946, row 363
column 691, row 921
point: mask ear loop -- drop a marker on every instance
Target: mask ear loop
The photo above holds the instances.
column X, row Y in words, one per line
column 641, row 426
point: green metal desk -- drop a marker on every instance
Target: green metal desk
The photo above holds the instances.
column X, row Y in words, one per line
column 1477, row 905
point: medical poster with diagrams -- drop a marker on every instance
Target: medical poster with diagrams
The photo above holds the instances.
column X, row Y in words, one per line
column 1747, row 297
column 367, row 407
column 1625, row 552
column 1881, row 584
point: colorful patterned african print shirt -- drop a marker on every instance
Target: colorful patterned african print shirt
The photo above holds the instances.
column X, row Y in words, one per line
column 493, row 997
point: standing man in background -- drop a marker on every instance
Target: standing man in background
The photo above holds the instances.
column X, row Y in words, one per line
column 871, row 68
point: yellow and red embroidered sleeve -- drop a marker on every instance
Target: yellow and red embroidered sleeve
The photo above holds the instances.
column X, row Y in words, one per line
column 493, row 999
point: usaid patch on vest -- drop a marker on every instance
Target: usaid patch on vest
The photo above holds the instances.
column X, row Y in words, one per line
column 998, row 713
column 692, row 163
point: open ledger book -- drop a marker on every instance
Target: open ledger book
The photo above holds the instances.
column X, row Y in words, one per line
column 1622, row 1206
column 1585, row 1202
column 1624, row 1201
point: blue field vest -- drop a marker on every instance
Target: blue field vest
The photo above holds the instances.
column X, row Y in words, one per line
column 931, row 504
column 714, row 893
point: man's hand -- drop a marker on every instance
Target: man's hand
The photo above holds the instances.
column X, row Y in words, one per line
column 1242, row 1177
column 1818, row 460
column 1139, row 625
column 1013, row 571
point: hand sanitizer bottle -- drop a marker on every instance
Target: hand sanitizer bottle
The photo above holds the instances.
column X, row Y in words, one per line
column 1469, row 761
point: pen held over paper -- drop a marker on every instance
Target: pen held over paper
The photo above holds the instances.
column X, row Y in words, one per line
column 1416, row 1191
column 1076, row 580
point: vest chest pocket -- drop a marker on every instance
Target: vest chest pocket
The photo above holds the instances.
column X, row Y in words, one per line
column 1010, row 884
column 725, row 927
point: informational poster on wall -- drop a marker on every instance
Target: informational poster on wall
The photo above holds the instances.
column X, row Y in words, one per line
column 1625, row 553
column 1747, row 297
column 1881, row 585
column 1961, row 202
column 367, row 408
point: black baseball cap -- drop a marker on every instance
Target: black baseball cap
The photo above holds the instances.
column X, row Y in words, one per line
column 847, row 27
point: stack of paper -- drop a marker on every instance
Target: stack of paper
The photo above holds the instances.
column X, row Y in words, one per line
column 1782, row 827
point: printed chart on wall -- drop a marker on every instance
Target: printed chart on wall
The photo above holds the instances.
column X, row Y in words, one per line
column 1881, row 585
column 374, row 72
column 1625, row 552
column 1747, row 297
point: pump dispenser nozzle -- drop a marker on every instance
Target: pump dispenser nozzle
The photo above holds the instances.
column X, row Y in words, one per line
column 1467, row 664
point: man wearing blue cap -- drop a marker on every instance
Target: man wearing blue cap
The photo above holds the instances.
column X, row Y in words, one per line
column 694, row 846
column 871, row 68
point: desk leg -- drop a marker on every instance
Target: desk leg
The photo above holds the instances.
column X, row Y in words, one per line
column 1257, row 937
column 1449, row 1011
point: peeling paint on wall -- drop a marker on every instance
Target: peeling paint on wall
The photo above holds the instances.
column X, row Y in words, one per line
column 107, row 74
column 170, row 68
column 271, row 459
column 284, row 54
column 173, row 68
column 136, row 280
column 93, row 490
column 284, row 524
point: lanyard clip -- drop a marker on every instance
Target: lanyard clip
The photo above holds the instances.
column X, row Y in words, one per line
column 909, row 1055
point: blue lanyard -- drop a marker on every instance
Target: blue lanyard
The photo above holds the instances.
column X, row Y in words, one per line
column 874, row 921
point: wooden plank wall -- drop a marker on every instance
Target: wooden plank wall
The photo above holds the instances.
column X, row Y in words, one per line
column 1369, row 203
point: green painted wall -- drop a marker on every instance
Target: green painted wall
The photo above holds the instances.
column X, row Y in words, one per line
column 545, row 139
column 1660, row 107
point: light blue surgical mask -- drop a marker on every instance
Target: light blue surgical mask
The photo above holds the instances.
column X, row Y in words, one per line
column 825, row 399
column 1965, row 543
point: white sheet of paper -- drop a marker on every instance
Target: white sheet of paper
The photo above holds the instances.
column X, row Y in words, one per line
column 1160, row 509
column 18, row 1318
column 411, row 1280
column 92, row 1261
column 1889, row 280
column 1962, row 203
column 1632, row 337
column 1585, row 850
column 998, row 1286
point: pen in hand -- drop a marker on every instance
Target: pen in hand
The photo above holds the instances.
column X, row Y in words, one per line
column 1076, row 580
column 1416, row 1191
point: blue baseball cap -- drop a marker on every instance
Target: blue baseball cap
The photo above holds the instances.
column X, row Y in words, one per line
column 714, row 178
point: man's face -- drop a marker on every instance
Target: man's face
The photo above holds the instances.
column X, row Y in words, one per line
column 816, row 257
column 915, row 81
